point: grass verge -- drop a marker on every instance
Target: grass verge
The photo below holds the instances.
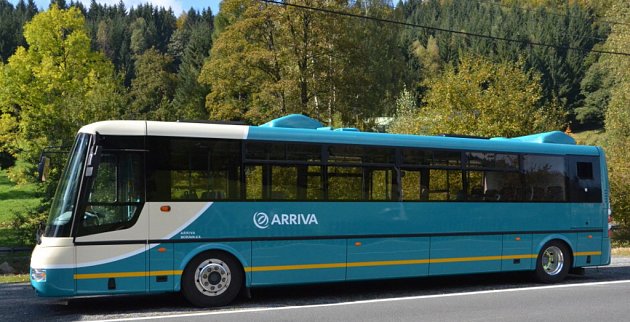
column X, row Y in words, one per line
column 15, row 278
column 16, row 198
column 621, row 251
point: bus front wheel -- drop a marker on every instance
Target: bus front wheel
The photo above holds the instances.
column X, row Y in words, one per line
column 212, row 279
column 553, row 262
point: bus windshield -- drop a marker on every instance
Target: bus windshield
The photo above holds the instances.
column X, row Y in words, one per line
column 61, row 210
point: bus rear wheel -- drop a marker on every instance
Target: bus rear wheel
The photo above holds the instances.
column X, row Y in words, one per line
column 212, row 279
column 553, row 263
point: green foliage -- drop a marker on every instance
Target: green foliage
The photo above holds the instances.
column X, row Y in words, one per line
column 482, row 98
column 559, row 24
column 152, row 89
column 11, row 21
column 592, row 137
column 189, row 99
column 17, row 202
column 56, row 83
column 618, row 113
column 269, row 60
column 596, row 87
column 406, row 113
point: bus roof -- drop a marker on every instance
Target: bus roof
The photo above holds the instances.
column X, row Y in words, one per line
column 304, row 129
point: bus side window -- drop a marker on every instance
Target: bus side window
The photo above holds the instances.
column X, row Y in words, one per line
column 116, row 194
column 585, row 179
column 545, row 178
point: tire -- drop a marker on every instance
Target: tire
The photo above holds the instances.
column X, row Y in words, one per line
column 553, row 262
column 212, row 279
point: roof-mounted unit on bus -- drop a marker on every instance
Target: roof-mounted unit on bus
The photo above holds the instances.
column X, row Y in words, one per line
column 299, row 121
column 294, row 121
column 555, row 137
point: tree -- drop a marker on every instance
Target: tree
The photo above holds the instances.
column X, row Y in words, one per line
column 152, row 89
column 270, row 60
column 189, row 100
column 560, row 25
column 45, row 86
column 618, row 114
column 482, row 98
column 11, row 21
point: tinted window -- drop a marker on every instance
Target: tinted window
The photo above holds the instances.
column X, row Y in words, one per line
column 193, row 169
column 283, row 151
column 360, row 154
column 492, row 160
column 585, row 179
column 416, row 157
column 545, row 178
column 585, row 170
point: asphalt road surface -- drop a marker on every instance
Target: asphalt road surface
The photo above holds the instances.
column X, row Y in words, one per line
column 602, row 293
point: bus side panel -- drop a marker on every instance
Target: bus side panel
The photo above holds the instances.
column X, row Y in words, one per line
column 465, row 254
column 125, row 275
column 298, row 261
column 605, row 260
column 589, row 249
column 387, row 257
column 517, row 252
column 161, row 273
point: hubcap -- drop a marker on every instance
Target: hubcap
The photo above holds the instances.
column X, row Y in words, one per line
column 552, row 260
column 212, row 277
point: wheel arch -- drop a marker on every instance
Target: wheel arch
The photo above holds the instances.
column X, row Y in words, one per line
column 560, row 238
column 240, row 258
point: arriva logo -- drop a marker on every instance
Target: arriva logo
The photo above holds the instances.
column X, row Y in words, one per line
column 262, row 221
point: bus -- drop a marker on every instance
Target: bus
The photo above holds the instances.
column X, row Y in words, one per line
column 210, row 210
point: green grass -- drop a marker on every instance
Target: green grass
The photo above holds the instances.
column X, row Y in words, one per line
column 13, row 199
column 17, row 278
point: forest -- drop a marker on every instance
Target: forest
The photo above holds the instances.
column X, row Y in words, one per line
column 471, row 67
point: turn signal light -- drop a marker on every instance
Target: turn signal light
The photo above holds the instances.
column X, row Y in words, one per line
column 165, row 208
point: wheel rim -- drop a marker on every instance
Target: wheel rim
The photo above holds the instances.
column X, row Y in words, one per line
column 552, row 260
column 212, row 277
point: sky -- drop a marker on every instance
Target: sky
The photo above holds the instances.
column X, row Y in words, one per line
column 178, row 6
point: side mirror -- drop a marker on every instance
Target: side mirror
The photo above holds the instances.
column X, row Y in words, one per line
column 43, row 168
column 40, row 232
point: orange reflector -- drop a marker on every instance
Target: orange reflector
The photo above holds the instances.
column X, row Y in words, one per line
column 161, row 249
column 357, row 244
column 518, row 238
column 165, row 208
column 589, row 236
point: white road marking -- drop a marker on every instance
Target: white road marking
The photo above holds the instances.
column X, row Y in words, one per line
column 395, row 299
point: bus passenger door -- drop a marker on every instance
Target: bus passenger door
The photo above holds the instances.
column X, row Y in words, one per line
column 112, row 230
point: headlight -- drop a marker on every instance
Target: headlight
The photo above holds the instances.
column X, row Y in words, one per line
column 38, row 275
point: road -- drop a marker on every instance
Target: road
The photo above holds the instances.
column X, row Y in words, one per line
column 600, row 293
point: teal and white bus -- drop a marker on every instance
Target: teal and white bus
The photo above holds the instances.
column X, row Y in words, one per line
column 210, row 210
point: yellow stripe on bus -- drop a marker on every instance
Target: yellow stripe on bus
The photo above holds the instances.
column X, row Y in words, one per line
column 587, row 253
column 385, row 263
column 125, row 274
column 332, row 265
column 293, row 267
